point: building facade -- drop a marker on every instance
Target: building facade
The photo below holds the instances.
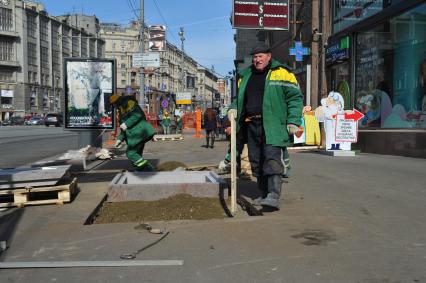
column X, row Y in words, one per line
column 178, row 72
column 33, row 45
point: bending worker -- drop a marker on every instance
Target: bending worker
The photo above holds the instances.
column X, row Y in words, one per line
column 269, row 109
column 135, row 130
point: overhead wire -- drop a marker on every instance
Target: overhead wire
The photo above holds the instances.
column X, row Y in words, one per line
column 165, row 22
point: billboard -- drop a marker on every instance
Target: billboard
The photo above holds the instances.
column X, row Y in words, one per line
column 157, row 38
column 266, row 15
column 88, row 85
column 349, row 12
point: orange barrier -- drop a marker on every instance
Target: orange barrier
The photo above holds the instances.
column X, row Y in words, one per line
column 152, row 119
column 198, row 124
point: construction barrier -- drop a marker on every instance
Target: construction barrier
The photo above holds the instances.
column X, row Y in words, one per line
column 152, row 119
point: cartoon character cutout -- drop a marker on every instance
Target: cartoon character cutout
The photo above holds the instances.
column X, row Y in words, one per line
column 332, row 105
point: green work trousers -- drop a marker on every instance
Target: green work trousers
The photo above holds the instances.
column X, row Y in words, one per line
column 134, row 153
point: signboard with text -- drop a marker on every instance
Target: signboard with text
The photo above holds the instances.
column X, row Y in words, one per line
column 267, row 15
column 146, row 60
column 183, row 98
column 347, row 126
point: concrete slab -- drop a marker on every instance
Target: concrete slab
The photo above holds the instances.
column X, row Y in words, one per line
column 150, row 186
column 338, row 153
column 32, row 176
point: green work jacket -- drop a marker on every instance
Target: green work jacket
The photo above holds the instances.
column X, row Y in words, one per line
column 138, row 129
column 282, row 103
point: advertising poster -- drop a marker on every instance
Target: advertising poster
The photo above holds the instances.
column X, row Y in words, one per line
column 157, row 38
column 89, row 84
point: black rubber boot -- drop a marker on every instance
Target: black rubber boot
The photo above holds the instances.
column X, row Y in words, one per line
column 213, row 138
column 262, row 185
column 274, row 192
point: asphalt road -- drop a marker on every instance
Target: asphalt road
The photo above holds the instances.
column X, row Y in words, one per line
column 20, row 145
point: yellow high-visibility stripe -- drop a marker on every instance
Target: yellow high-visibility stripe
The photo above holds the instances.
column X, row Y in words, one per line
column 282, row 74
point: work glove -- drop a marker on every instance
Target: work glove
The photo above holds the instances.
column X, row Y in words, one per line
column 123, row 126
column 232, row 111
column 118, row 143
column 292, row 129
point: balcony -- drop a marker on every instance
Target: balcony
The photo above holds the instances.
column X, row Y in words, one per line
column 9, row 33
column 13, row 64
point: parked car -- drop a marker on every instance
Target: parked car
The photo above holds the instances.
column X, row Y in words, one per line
column 53, row 119
column 35, row 120
column 13, row 121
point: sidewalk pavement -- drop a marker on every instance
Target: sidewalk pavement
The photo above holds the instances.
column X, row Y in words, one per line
column 346, row 219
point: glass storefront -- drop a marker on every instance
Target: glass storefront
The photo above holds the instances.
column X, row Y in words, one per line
column 340, row 82
column 390, row 72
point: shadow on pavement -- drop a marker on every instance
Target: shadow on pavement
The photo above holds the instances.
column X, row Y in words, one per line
column 8, row 222
column 108, row 170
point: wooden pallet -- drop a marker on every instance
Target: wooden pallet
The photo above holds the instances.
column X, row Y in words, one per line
column 38, row 195
column 168, row 137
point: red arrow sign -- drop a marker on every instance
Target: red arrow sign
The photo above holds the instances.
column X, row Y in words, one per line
column 356, row 116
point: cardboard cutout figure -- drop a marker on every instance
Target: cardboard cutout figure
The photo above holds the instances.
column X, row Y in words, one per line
column 332, row 105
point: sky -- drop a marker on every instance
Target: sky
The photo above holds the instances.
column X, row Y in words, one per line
column 208, row 31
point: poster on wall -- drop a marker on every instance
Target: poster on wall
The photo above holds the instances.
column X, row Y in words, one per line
column 88, row 85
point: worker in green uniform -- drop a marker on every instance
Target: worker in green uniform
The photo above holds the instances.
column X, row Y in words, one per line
column 165, row 123
column 135, row 130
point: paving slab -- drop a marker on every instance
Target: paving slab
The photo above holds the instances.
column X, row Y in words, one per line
column 22, row 177
column 150, row 186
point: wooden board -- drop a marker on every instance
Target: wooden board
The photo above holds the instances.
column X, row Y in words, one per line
column 38, row 195
column 168, row 137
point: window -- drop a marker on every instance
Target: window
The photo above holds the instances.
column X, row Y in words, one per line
column 123, row 66
column 32, row 54
column 44, row 29
column 6, row 21
column 6, row 51
column 6, row 77
column 123, row 82
column 390, row 86
column 31, row 26
column 44, row 57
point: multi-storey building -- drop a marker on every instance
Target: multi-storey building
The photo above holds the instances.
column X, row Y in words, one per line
column 208, row 88
column 178, row 72
column 32, row 47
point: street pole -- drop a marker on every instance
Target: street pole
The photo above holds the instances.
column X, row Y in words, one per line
column 182, row 39
column 142, row 49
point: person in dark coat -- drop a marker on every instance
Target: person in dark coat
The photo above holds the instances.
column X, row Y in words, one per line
column 210, row 125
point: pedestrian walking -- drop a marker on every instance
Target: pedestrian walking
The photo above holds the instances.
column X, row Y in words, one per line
column 269, row 108
column 210, row 125
column 135, row 131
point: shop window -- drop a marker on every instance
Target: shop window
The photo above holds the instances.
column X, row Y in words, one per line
column 390, row 85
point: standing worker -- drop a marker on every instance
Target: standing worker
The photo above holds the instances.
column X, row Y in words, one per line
column 135, row 130
column 165, row 123
column 269, row 107
column 210, row 125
